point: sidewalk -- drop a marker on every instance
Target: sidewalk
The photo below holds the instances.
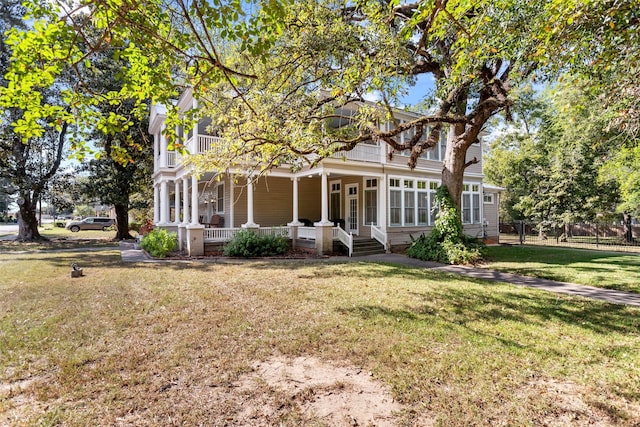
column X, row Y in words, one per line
column 131, row 253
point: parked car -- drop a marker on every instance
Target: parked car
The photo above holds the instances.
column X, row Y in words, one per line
column 92, row 223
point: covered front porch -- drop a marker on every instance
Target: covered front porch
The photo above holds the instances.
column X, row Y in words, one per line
column 211, row 210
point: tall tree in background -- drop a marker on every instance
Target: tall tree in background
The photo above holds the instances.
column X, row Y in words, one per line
column 125, row 163
column 623, row 167
column 114, row 183
column 62, row 193
column 552, row 171
column 28, row 163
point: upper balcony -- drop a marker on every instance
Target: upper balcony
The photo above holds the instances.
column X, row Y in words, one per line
column 362, row 153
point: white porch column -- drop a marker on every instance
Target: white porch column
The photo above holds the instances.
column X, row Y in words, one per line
column 185, row 200
column 230, row 205
column 295, row 202
column 324, row 220
column 195, row 216
column 250, row 222
column 156, row 204
column 195, row 231
column 176, row 210
column 163, row 147
column 294, row 224
column 382, row 202
column 156, row 151
column 324, row 233
column 164, row 202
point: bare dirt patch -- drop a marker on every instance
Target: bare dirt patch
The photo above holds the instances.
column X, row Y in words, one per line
column 334, row 395
column 17, row 403
column 571, row 405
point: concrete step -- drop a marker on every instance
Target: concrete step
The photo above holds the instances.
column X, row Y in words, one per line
column 363, row 247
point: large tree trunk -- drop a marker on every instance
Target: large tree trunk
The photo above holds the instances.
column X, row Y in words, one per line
column 28, row 220
column 122, row 221
column 453, row 172
column 455, row 155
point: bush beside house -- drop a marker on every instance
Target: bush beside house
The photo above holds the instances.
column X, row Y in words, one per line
column 248, row 244
column 159, row 242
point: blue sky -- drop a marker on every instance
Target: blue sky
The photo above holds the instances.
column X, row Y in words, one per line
column 423, row 86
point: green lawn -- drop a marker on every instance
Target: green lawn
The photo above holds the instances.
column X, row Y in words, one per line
column 595, row 268
column 61, row 238
column 168, row 344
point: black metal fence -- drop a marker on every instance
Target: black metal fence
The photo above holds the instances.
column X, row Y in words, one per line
column 601, row 236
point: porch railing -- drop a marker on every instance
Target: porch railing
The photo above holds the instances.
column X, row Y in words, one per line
column 219, row 234
column 226, row 234
column 275, row 231
column 308, row 233
column 380, row 235
column 344, row 237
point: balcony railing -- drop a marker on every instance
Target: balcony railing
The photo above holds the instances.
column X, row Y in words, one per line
column 172, row 159
column 361, row 153
column 205, row 142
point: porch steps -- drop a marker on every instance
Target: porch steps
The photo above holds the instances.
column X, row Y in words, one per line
column 364, row 246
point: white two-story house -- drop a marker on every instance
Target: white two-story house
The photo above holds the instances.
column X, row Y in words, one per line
column 354, row 196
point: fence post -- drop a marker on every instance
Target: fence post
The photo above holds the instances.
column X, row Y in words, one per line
column 597, row 235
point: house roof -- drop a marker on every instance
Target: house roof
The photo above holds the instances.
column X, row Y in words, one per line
column 492, row 187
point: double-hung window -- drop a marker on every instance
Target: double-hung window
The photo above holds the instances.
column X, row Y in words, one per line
column 409, row 202
column 371, row 201
column 395, row 202
column 423, row 203
column 335, row 207
column 220, row 198
column 412, row 202
column 471, row 204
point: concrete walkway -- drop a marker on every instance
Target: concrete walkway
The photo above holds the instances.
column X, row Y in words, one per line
column 131, row 253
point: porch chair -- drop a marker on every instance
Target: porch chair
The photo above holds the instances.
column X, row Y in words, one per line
column 217, row 221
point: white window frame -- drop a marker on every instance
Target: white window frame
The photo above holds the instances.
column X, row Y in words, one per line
column 218, row 198
column 422, row 195
column 409, row 202
column 333, row 191
column 419, row 187
column 369, row 186
column 395, row 189
column 469, row 190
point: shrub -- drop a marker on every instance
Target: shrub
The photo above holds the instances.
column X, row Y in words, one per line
column 159, row 242
column 447, row 242
column 247, row 244
column 60, row 224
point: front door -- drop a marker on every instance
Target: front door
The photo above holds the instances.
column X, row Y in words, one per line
column 352, row 209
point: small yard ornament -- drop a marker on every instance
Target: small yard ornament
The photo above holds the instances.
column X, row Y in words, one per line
column 75, row 270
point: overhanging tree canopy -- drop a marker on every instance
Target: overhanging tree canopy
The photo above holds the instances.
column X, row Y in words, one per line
column 273, row 72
